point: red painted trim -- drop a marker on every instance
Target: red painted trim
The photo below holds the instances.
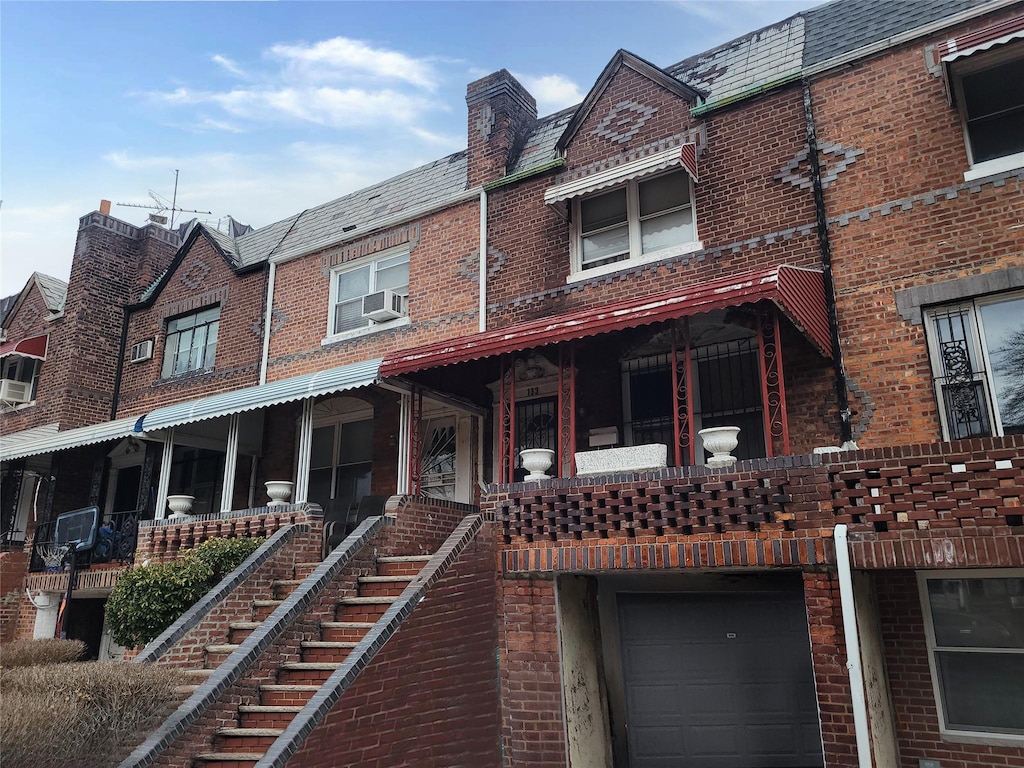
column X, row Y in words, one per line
column 799, row 293
column 782, row 386
column 34, row 346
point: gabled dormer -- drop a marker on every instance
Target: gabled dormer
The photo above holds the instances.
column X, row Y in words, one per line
column 631, row 160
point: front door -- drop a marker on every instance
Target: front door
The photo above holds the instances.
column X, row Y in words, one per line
column 720, row 680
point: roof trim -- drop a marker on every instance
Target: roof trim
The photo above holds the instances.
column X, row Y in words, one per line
column 32, row 346
column 798, row 292
column 70, row 438
column 684, row 155
column 309, row 385
column 642, row 67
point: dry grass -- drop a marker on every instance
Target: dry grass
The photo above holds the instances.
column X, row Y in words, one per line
column 84, row 715
column 27, row 653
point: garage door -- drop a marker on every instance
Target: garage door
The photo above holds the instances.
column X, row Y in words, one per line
column 718, row 681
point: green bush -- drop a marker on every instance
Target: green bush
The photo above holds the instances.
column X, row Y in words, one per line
column 27, row 653
column 148, row 599
column 85, row 715
column 224, row 555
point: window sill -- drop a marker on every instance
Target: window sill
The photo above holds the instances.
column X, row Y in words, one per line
column 983, row 739
column 18, row 407
column 356, row 333
column 992, row 167
column 627, row 264
column 185, row 376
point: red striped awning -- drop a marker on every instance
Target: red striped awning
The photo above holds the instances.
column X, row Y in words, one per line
column 34, row 346
column 799, row 293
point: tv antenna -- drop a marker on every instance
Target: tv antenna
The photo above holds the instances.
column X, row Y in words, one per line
column 162, row 205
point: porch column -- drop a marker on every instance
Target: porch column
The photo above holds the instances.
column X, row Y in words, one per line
column 414, row 440
column 773, row 386
column 230, row 464
column 565, row 463
column 507, row 416
column 165, row 474
column 404, row 420
column 682, row 407
column 305, row 449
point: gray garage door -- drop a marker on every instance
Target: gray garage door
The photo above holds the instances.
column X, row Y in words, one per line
column 718, row 681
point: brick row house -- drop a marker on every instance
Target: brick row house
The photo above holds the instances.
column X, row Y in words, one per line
column 813, row 234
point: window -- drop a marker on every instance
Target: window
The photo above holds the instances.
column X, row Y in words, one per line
column 198, row 472
column 350, row 285
column 191, row 342
column 990, row 91
column 975, row 630
column 644, row 220
column 341, row 458
column 24, row 370
column 977, row 356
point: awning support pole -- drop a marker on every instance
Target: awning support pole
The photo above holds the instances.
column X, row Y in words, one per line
column 230, row 464
column 165, row 474
column 305, row 451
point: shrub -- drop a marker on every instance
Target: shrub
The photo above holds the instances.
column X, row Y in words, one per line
column 27, row 653
column 85, row 715
column 224, row 555
column 147, row 600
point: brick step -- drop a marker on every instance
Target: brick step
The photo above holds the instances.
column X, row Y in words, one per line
column 306, row 672
column 228, row 759
column 383, row 586
column 362, row 608
column 344, row 631
column 217, row 653
column 185, row 690
column 284, row 587
column 302, row 570
column 246, row 740
column 401, row 565
column 287, row 695
column 263, row 716
column 239, row 630
column 263, row 608
column 325, row 650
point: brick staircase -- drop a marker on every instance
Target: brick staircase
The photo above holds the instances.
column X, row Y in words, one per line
column 258, row 725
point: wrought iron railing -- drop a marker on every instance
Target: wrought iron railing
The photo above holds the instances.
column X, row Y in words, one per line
column 116, row 540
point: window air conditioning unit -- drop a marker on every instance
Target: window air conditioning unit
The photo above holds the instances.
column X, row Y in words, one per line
column 142, row 351
column 383, row 305
column 12, row 391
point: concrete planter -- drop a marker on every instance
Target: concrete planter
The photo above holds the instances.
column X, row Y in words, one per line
column 633, row 458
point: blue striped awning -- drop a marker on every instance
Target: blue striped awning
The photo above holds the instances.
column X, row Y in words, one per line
column 284, row 391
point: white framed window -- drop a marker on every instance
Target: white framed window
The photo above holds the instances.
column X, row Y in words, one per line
column 24, row 370
column 350, row 284
column 989, row 90
column 974, row 624
column 976, row 348
column 643, row 220
column 191, row 342
column 341, row 456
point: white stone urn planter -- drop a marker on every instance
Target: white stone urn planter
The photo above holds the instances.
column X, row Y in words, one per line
column 720, row 442
column 279, row 492
column 180, row 504
column 537, row 461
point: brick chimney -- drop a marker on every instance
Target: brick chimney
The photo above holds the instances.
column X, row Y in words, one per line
column 501, row 115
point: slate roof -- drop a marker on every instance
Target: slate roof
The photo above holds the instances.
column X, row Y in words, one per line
column 762, row 57
column 55, row 292
column 5, row 305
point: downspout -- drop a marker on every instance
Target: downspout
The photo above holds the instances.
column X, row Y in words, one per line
column 860, row 709
column 268, row 320
column 846, row 427
column 119, row 370
column 483, row 259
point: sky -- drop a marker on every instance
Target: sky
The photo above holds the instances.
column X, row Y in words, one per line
column 267, row 108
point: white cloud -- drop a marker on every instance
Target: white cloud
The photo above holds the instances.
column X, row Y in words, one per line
column 342, row 57
column 228, row 65
column 732, row 18
column 552, row 92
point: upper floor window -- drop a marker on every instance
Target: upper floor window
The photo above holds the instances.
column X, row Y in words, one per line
column 990, row 92
column 191, row 342
column 19, row 380
column 644, row 220
column 977, row 356
column 351, row 285
column 975, row 630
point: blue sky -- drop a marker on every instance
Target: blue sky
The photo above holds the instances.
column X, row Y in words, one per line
column 267, row 108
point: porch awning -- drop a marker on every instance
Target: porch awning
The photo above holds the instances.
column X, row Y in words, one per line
column 798, row 292
column 11, row 447
column 685, row 155
column 284, row 391
column 33, row 346
column 956, row 49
